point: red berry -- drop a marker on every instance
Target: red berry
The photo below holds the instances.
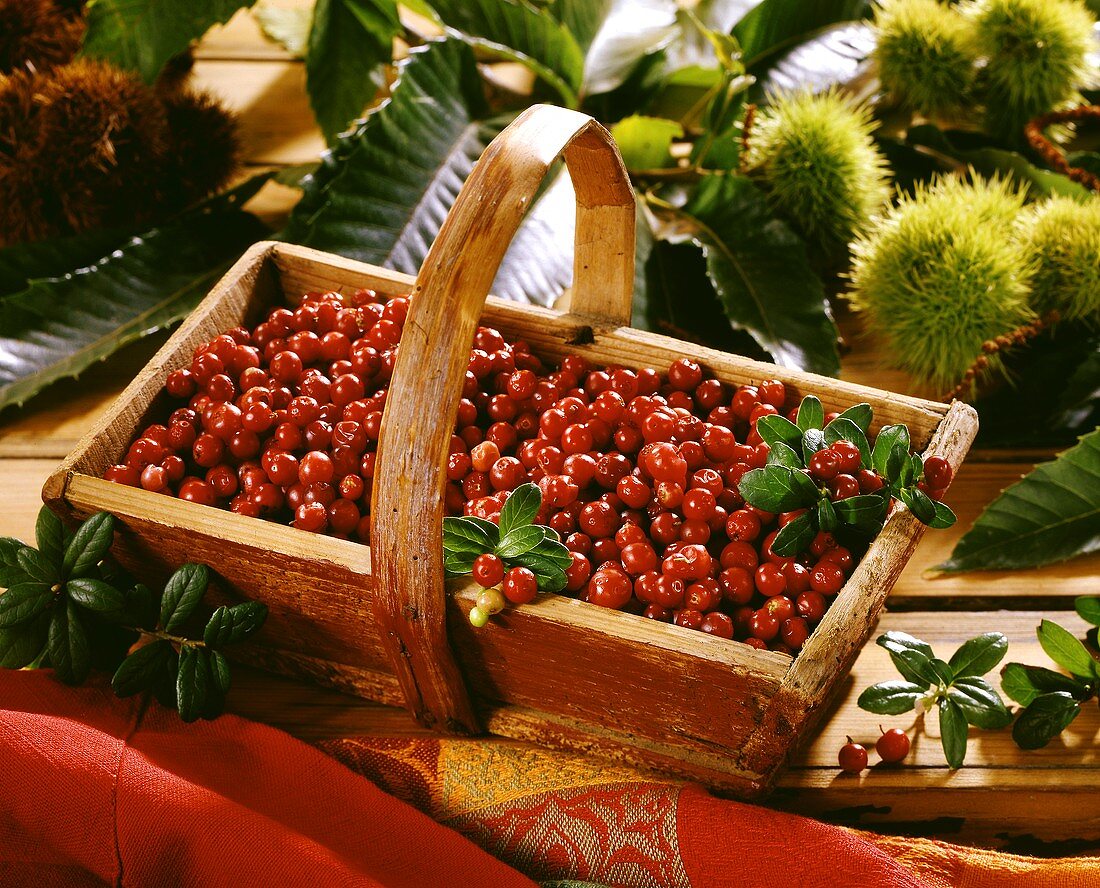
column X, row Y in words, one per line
column 826, row 578
column 852, row 757
column 893, row 745
column 824, row 465
column 610, row 588
column 520, row 585
column 937, row 472
column 488, row 570
column 849, row 456
column 717, row 624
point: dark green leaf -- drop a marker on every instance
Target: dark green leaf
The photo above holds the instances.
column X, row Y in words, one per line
column 219, row 671
column 95, row 595
column 777, row 489
column 37, row 566
column 458, row 564
column 164, row 687
column 844, row 429
column 942, row 670
column 22, row 263
column 9, row 551
column 21, row 645
column 891, row 441
column 348, row 42
column 229, row 625
column 1024, row 683
column 980, row 654
column 811, row 415
column 911, row 657
column 23, row 602
column 49, row 534
column 778, row 430
column 518, row 31
column 1051, row 515
column 813, row 441
column 944, row 517
column 1088, row 608
column 861, row 415
column 1065, row 650
column 67, row 644
column 760, row 271
column 919, row 503
column 56, row 328
column 520, row 508
column 462, row 536
column 182, row 594
column 782, row 455
column 774, row 26
column 891, row 697
column 980, row 703
column 795, row 536
column 1044, row 719
column 582, row 18
column 192, row 683
column 520, row 539
column 826, row 515
column 141, row 669
column 142, row 35
column 953, row 732
column 863, row 509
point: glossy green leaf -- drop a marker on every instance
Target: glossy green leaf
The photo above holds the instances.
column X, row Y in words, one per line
column 462, row 536
column 826, row 515
column 1051, row 515
column 1044, row 719
column 518, row 31
column 22, row 263
column 891, row 441
column 520, row 539
column 980, row 703
column 645, row 142
column 23, row 644
column 919, row 503
column 626, row 48
column 777, row 489
column 811, row 415
column 1065, row 649
column 37, row 566
column 1088, row 608
column 49, row 534
column 980, row 654
column 58, row 327
column 953, row 732
column 182, row 594
column 141, row 669
column 89, row 544
column 520, row 508
column 67, row 644
column 910, row 656
column 1024, row 683
column 891, row 697
column 348, row 43
column 844, row 429
column 795, row 536
column 861, row 414
column 22, row 602
column 192, row 683
column 778, row 430
column 142, row 35
column 760, row 271
column 95, row 595
column 774, row 26
column 782, row 455
column 944, row 517
column 229, row 625
column 582, row 18
column 862, row 509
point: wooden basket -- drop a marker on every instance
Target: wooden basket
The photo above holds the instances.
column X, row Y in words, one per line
column 379, row 621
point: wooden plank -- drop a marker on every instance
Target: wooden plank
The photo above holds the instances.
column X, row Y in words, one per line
column 21, row 481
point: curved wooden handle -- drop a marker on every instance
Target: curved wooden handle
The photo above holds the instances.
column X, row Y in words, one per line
column 407, row 516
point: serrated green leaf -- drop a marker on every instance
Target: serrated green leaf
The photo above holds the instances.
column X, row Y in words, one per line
column 21, row 645
column 645, row 142
column 142, row 35
column 58, row 327
column 778, row 430
column 37, row 566
column 192, row 683
column 1088, row 608
column 795, row 536
column 49, row 534
column 349, row 41
column 883, row 460
column 519, row 540
column 182, row 594
column 979, row 655
column 862, row 415
column 1044, row 719
column 519, row 509
column 67, row 644
column 826, row 516
column 760, row 272
column 844, row 429
column 862, row 509
column 95, row 595
column 141, row 670
column 953, row 732
column 782, row 455
column 777, row 489
column 23, row 602
column 24, row 262
column 980, row 703
column 1051, row 515
column 1024, row 683
column 229, row 625
column 811, row 415
column 891, row 697
column 1065, row 650
column 521, row 33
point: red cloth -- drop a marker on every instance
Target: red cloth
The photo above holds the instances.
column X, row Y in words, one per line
column 100, row 791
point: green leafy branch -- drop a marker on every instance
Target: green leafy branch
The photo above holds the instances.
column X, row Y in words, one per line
column 69, row 606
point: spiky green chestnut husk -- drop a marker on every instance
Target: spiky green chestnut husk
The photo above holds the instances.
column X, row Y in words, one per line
column 939, row 274
column 925, row 55
column 1063, row 237
column 820, row 165
column 1035, row 52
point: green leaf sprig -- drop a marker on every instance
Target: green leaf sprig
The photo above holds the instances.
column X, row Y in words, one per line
column 68, row 606
column 955, row 687
column 784, row 485
column 1051, row 700
column 517, row 541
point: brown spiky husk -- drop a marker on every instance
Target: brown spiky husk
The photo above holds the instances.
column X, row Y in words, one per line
column 36, row 35
column 203, row 145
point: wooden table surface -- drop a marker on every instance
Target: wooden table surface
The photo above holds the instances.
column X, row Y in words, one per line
column 1043, row 802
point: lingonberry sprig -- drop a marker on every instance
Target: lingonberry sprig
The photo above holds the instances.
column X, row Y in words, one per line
column 955, row 687
column 533, row 553
column 827, row 475
column 69, row 606
column 1051, row 700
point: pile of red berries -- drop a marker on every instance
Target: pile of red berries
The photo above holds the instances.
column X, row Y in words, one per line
column 638, row 471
